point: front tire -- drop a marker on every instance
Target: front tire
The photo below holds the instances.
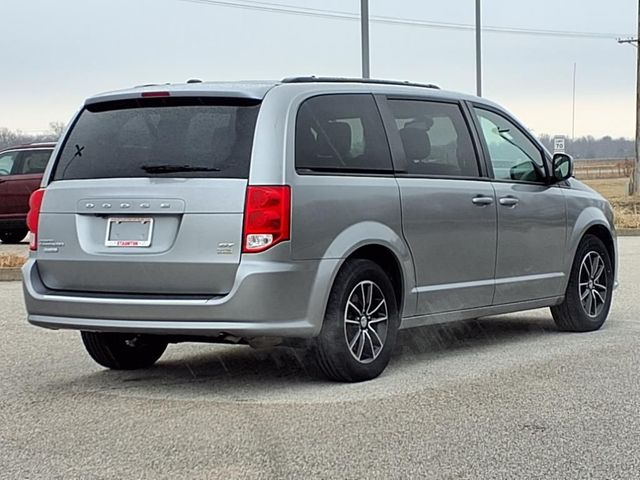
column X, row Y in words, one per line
column 360, row 325
column 589, row 292
column 121, row 351
column 13, row 236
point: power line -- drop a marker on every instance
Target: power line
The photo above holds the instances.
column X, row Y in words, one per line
column 630, row 41
column 341, row 15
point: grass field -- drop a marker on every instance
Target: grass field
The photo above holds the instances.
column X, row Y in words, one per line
column 626, row 208
column 9, row 260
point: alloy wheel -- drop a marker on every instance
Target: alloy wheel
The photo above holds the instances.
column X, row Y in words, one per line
column 592, row 284
column 366, row 321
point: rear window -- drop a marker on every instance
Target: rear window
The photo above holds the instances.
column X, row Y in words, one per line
column 341, row 133
column 160, row 137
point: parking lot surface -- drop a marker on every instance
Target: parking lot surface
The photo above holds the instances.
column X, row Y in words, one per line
column 507, row 397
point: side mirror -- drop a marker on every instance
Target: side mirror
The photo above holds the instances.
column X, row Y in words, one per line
column 562, row 167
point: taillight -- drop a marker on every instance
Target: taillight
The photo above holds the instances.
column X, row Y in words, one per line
column 267, row 213
column 35, row 203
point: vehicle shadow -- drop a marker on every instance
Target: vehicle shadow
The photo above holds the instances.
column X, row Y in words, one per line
column 218, row 368
column 451, row 337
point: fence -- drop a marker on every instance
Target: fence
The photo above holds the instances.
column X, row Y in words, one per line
column 603, row 168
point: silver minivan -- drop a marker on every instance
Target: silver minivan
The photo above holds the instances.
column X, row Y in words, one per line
column 319, row 212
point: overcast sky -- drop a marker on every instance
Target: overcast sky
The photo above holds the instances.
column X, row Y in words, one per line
column 55, row 53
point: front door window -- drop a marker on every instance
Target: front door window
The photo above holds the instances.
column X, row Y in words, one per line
column 6, row 163
column 513, row 156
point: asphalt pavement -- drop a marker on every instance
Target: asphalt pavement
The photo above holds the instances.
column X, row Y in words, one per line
column 507, row 397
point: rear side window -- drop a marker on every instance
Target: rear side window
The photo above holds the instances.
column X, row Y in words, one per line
column 435, row 138
column 175, row 137
column 341, row 133
column 34, row 161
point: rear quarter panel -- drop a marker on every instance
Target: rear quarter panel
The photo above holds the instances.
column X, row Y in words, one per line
column 332, row 215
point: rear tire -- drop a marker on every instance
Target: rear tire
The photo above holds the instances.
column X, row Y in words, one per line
column 13, row 236
column 360, row 324
column 121, row 351
column 588, row 297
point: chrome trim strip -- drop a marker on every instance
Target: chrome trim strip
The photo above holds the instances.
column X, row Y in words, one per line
column 485, row 283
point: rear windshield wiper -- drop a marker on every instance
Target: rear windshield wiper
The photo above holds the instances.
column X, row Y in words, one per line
column 168, row 168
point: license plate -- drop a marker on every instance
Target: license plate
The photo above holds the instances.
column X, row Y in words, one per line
column 129, row 232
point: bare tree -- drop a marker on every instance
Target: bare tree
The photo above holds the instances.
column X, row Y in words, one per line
column 57, row 128
column 9, row 138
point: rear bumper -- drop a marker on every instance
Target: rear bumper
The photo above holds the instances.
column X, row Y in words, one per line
column 284, row 299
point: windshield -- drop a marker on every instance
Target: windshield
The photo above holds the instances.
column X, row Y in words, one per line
column 183, row 137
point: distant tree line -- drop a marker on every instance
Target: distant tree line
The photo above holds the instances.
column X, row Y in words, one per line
column 590, row 147
column 9, row 138
column 581, row 147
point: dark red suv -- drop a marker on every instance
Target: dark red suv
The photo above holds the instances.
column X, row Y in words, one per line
column 21, row 169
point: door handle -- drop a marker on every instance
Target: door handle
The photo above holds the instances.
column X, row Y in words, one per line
column 482, row 201
column 509, row 201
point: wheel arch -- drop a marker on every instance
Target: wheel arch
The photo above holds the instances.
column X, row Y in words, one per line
column 388, row 261
column 382, row 244
column 604, row 234
column 594, row 224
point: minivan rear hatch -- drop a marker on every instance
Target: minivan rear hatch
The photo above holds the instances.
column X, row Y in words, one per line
column 146, row 197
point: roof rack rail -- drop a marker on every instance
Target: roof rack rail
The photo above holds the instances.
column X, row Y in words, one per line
column 144, row 85
column 314, row 79
column 29, row 145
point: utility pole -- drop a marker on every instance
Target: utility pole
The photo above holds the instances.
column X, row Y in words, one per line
column 478, row 49
column 364, row 32
column 634, row 183
column 573, row 110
